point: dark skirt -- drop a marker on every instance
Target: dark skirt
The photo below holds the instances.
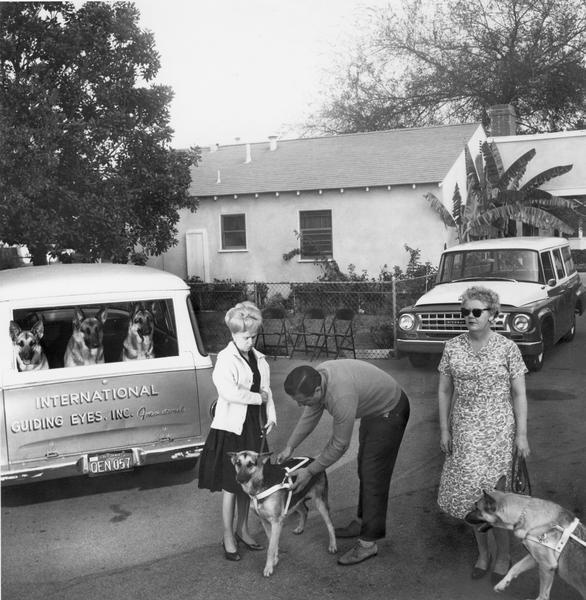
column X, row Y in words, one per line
column 216, row 471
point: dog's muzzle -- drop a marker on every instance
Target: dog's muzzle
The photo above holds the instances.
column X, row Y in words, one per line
column 242, row 477
column 474, row 518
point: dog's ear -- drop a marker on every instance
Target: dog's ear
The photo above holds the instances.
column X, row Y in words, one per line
column 263, row 458
column 78, row 317
column 102, row 314
column 14, row 329
column 501, row 483
column 232, row 456
column 153, row 307
column 489, row 502
column 38, row 328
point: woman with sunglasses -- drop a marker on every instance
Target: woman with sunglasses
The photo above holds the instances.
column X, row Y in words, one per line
column 483, row 419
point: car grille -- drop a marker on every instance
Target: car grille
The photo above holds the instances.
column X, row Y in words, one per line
column 451, row 322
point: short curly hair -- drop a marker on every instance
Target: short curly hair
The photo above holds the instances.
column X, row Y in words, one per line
column 245, row 316
column 483, row 294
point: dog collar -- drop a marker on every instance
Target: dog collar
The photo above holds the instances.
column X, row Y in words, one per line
column 521, row 520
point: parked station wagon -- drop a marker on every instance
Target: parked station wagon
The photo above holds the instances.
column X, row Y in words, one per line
column 132, row 387
column 535, row 278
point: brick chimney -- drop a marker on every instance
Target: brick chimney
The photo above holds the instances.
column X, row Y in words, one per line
column 503, row 120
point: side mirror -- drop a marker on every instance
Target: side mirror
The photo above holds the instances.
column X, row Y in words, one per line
column 551, row 282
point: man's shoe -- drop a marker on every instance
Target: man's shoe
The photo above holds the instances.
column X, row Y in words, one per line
column 357, row 554
column 351, row 530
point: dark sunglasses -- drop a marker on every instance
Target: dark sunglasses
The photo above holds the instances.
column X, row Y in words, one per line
column 475, row 311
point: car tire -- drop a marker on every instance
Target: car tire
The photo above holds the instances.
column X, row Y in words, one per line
column 572, row 331
column 534, row 362
column 419, row 361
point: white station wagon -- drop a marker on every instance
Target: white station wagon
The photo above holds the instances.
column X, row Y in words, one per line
column 114, row 410
column 535, row 278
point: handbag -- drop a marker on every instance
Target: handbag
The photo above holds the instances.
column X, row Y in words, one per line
column 520, row 476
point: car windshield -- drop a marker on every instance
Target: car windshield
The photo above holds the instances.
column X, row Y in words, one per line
column 519, row 265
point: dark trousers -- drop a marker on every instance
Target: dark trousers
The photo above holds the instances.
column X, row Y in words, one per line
column 379, row 440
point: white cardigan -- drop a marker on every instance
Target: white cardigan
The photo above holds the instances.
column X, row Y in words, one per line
column 232, row 377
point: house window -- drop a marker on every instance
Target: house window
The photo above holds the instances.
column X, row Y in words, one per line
column 233, row 232
column 316, row 233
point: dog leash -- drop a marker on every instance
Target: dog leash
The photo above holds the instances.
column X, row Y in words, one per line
column 263, row 435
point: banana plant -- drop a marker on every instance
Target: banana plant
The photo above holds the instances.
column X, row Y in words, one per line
column 495, row 196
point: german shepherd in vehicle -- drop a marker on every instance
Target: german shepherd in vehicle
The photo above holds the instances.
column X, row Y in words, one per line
column 28, row 351
column 138, row 344
column 540, row 525
column 256, row 476
column 86, row 344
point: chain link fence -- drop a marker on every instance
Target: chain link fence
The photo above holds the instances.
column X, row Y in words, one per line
column 374, row 303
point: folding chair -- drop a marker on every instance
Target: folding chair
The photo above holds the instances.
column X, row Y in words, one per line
column 312, row 332
column 273, row 335
column 341, row 330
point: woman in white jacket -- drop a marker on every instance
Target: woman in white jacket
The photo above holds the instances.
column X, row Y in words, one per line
column 244, row 408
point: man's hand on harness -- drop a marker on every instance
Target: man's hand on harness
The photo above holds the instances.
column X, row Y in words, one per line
column 285, row 453
column 302, row 478
column 268, row 427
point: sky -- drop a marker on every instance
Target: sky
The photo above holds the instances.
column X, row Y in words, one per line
column 243, row 70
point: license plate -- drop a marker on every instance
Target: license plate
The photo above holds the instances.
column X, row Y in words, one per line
column 109, row 462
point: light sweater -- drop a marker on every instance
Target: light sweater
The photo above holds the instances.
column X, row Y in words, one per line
column 232, row 377
column 351, row 389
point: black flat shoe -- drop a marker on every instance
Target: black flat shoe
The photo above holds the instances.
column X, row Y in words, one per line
column 496, row 577
column 233, row 556
column 478, row 573
column 253, row 546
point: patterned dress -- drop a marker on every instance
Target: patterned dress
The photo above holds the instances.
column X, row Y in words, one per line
column 482, row 421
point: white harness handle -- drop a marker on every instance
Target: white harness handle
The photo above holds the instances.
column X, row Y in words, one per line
column 286, row 484
column 567, row 533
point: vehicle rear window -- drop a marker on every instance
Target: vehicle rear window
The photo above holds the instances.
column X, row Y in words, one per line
column 558, row 263
column 568, row 262
column 547, row 266
column 129, row 330
column 520, row 265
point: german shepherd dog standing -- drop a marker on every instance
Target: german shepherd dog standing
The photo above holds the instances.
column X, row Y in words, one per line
column 256, row 476
column 28, row 351
column 138, row 344
column 540, row 525
column 85, row 346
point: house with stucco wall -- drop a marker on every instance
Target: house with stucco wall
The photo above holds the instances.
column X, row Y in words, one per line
column 356, row 198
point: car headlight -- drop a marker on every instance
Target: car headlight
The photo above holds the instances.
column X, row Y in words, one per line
column 521, row 323
column 407, row 322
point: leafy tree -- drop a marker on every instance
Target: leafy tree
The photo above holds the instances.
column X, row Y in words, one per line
column 425, row 62
column 85, row 161
column 496, row 198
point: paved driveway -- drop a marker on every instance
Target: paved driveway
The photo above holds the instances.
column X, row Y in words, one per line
column 159, row 537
